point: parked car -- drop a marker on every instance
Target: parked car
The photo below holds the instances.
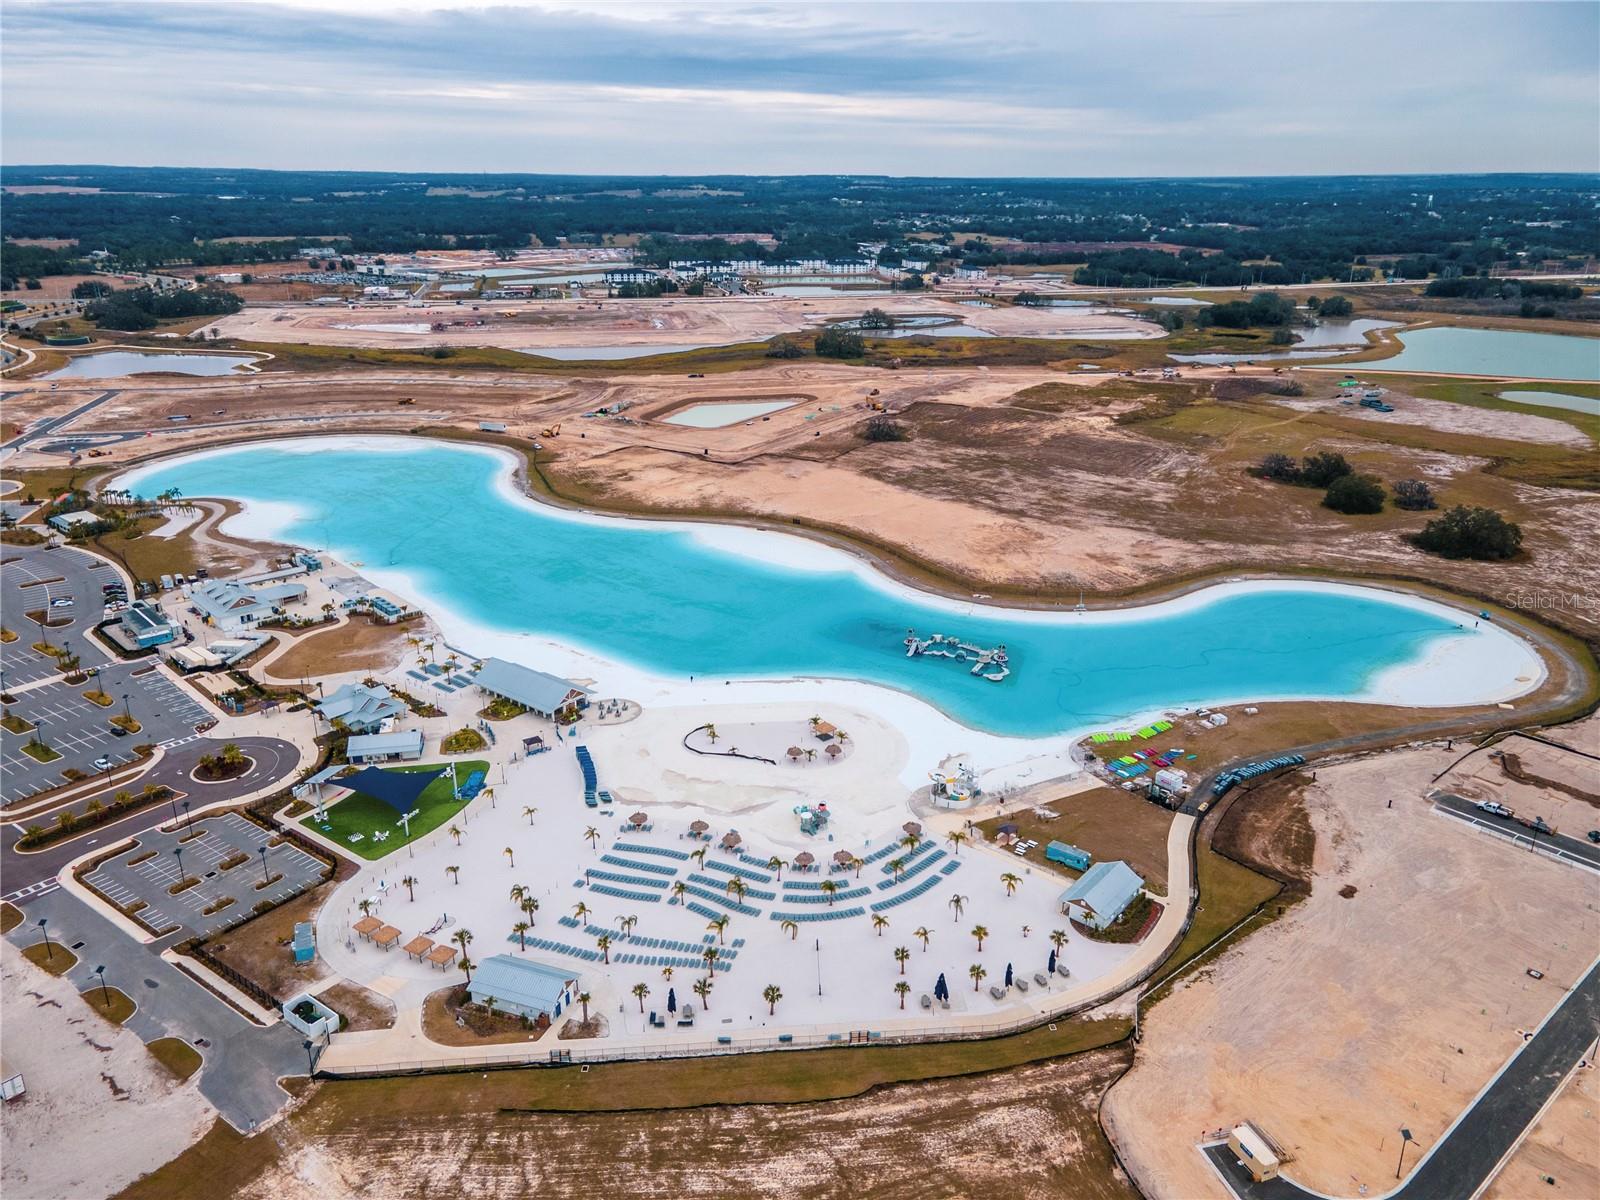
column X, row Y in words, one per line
column 1594, row 836
column 1494, row 809
column 102, row 763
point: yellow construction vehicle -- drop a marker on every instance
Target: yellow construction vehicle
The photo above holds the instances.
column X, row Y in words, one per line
column 552, row 432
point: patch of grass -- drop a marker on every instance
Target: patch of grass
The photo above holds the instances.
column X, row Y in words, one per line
column 364, row 815
column 176, row 1055
column 1228, row 894
column 7, row 635
column 15, row 724
column 39, row 752
column 100, row 698
column 111, row 1003
column 123, row 721
column 1108, row 822
column 56, row 959
column 462, row 741
column 10, row 917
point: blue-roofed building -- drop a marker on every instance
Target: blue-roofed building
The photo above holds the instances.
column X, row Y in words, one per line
column 1102, row 894
column 523, row 986
column 361, row 709
column 147, row 625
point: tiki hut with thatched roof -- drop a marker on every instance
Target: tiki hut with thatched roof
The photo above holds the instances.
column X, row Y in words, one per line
column 731, row 840
column 834, row 750
column 698, row 828
column 638, row 820
column 912, row 829
column 804, row 861
column 794, row 753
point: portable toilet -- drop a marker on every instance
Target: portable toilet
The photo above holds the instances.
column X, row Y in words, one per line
column 305, row 942
column 1068, row 856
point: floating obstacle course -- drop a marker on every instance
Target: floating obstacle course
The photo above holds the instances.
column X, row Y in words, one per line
column 992, row 663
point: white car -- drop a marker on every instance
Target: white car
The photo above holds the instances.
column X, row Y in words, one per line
column 61, row 602
column 102, row 763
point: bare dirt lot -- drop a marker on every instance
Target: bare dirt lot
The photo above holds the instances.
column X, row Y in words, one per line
column 1359, row 1010
column 1561, row 1158
column 358, row 645
column 1513, row 772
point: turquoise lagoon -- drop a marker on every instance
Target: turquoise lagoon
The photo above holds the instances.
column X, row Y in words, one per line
column 668, row 600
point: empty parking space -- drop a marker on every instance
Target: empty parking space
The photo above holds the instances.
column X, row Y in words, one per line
column 143, row 878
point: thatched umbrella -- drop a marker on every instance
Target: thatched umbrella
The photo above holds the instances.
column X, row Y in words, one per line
column 912, row 829
column 803, row 860
column 731, row 840
column 843, row 857
column 794, row 752
column 834, row 750
column 638, row 819
column 698, row 827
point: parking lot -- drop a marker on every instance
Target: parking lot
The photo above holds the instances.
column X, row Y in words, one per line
column 140, row 875
column 66, row 584
column 81, row 732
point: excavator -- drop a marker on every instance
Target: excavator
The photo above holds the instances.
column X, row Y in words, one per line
column 552, row 432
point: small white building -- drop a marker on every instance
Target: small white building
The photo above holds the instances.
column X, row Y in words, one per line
column 232, row 605
column 404, row 745
column 1102, row 894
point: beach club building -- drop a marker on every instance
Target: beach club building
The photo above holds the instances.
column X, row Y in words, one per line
column 1101, row 894
column 523, row 986
column 402, row 746
column 231, row 605
column 145, row 625
column 361, row 709
column 548, row 696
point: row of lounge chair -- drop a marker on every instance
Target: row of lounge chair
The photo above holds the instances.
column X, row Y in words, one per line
column 824, row 898
column 605, row 889
column 630, row 880
column 648, row 868
column 827, row 914
column 730, row 869
column 721, row 885
column 727, row 902
column 912, row 855
column 915, row 867
column 639, row 848
column 909, row 894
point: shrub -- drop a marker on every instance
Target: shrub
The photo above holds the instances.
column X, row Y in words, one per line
column 1414, row 495
column 1463, row 532
column 1279, row 468
column 785, row 348
column 1281, row 337
column 883, row 429
column 834, row 342
column 1355, row 494
column 876, row 318
column 1322, row 468
column 1335, row 306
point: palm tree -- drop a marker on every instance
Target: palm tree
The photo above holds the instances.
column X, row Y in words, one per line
column 737, row 888
column 232, row 756
column 365, row 906
column 956, row 839
column 771, row 994
column 958, row 902
column 720, row 924
column 811, row 754
column 521, row 930
column 923, row 932
column 901, row 955
column 791, row 927
column 511, row 856
column 1011, row 881
column 463, row 938
column 409, row 882
column 699, row 856
column 829, row 887
column 580, row 910
column 702, row 988
column 897, row 865
column 666, row 973
column 466, row 964
column 454, row 873
column 977, row 972
column 856, row 864
column 710, row 954
column 679, row 888
column 592, row 836
column 603, row 944
column 641, row 990
column 518, row 893
column 980, row 932
column 776, row 864
column 528, row 810
column 455, row 832
column 1058, row 939
column 880, row 923
column 910, row 841
column 489, row 793
column 625, row 925
column 489, row 1003
column 711, row 734
column 901, row 987
column 583, row 999
column 530, row 905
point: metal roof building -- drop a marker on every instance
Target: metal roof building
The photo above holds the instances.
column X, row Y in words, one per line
column 1101, row 894
column 381, row 747
column 523, row 986
column 362, row 709
column 536, row 691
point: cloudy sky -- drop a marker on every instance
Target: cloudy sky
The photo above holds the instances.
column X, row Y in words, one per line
column 923, row 88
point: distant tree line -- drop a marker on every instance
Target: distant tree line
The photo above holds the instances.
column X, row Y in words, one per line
column 145, row 308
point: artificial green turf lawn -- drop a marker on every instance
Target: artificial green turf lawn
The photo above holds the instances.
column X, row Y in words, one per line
column 357, row 813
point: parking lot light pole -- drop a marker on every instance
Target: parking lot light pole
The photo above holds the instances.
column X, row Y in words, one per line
column 174, row 799
column 178, row 850
column 126, row 710
column 187, row 818
column 104, row 994
column 310, row 1058
column 49, row 950
column 266, row 877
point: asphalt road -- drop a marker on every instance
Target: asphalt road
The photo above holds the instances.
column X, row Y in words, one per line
column 27, row 876
column 1471, row 1151
column 243, row 1061
column 1577, row 849
column 45, row 427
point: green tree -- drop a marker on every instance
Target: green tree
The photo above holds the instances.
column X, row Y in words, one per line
column 1478, row 533
column 1355, row 494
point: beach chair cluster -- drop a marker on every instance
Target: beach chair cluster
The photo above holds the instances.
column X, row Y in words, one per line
column 591, row 782
column 660, row 851
column 909, row 894
column 1238, row 775
column 820, row 897
column 827, row 914
column 711, row 881
column 721, row 899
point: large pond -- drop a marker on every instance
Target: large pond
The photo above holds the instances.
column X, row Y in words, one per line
column 445, row 524
column 810, row 290
column 1510, row 353
column 905, row 327
column 1577, row 404
column 1328, row 339
column 109, row 364
column 613, row 353
column 717, row 414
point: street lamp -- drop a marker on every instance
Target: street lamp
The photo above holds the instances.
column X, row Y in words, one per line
column 267, row 878
column 126, row 711
column 178, row 850
column 104, row 994
column 311, row 1060
column 188, row 820
column 174, row 799
column 1405, row 1136
column 49, row 950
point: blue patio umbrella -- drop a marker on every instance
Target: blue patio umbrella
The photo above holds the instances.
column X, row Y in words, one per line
column 1051, row 969
column 1008, row 974
column 941, row 990
column 672, row 1000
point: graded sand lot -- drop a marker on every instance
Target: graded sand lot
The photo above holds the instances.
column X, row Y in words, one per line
column 1561, row 1157
column 1359, row 1012
column 99, row 1110
column 1515, row 770
column 531, row 325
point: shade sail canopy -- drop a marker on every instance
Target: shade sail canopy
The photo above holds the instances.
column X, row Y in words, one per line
column 400, row 790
